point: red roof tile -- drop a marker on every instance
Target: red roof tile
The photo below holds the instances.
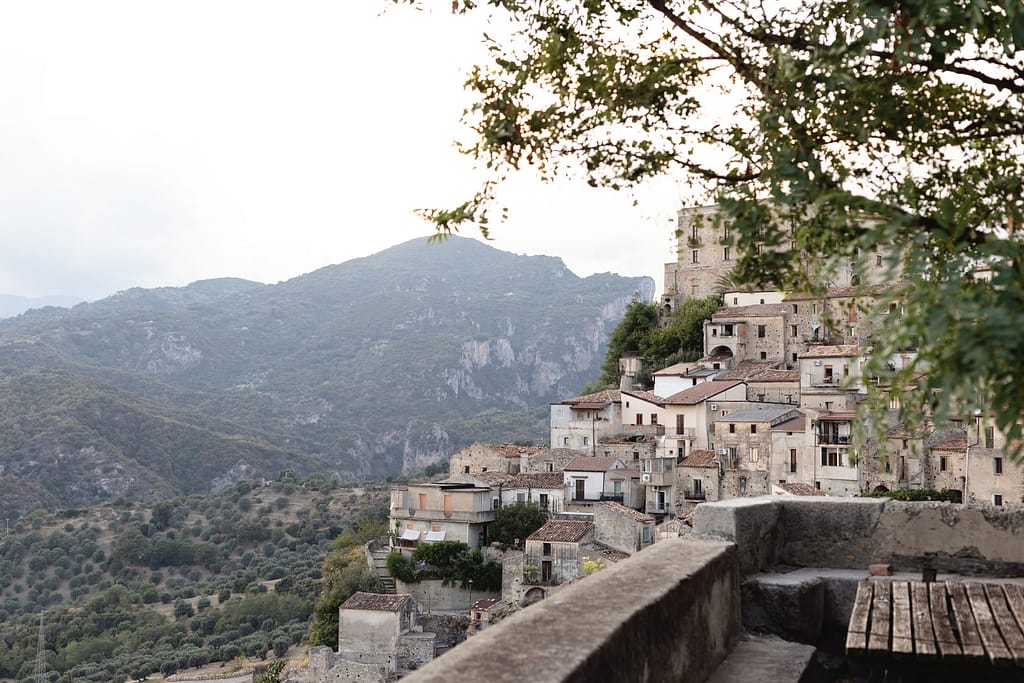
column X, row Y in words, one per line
column 700, row 457
column 837, row 351
column 605, row 396
column 628, row 512
column 561, row 531
column 799, row 489
column 590, row 463
column 701, row 392
column 376, row 601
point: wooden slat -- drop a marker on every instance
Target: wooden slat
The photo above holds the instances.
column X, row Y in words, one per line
column 902, row 624
column 924, row 634
column 990, row 637
column 1005, row 621
column 857, row 633
column 878, row 640
column 970, row 640
column 944, row 636
column 1016, row 600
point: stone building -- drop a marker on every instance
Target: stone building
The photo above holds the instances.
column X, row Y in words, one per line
column 443, row 511
column 381, row 631
column 578, row 423
column 622, row 528
column 758, row 332
column 792, row 462
column 699, row 475
column 744, row 440
column 553, row 553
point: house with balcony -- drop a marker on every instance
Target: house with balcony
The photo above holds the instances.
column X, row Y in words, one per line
column 699, row 475
column 688, row 415
column 676, row 378
column 578, row 423
column 442, row 511
column 792, row 462
column 589, row 480
column 757, row 332
column 543, row 489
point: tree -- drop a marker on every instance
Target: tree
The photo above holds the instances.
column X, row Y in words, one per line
column 630, row 335
column 833, row 126
column 515, row 522
column 682, row 339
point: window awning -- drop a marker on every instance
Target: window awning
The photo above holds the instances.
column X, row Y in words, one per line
column 433, row 536
column 410, row 535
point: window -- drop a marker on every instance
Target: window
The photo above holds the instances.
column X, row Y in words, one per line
column 792, row 460
column 888, row 465
column 639, row 418
column 732, row 428
column 792, row 330
column 636, row 455
column 725, row 254
column 878, row 260
column 727, row 330
column 817, row 485
column 693, row 232
column 943, row 463
column 735, row 300
column 752, row 454
column 549, row 467
column 828, row 405
column 546, row 548
column 495, row 503
column 990, row 437
column 828, row 374
column 423, row 501
column 764, row 355
column 520, row 497
column 543, row 500
column 617, row 487
column 695, row 257
column 997, row 499
column 753, row 429
column 796, row 308
column 830, row 457
column 743, row 484
column 646, row 535
column 997, row 465
column 465, row 470
column 794, row 357
column 565, row 441
column 447, row 505
column 814, row 308
column 586, row 441
column 654, row 418
column 761, row 331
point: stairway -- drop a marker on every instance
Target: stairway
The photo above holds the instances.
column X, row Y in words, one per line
column 379, row 555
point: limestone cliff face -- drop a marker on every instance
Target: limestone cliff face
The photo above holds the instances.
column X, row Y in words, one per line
column 373, row 367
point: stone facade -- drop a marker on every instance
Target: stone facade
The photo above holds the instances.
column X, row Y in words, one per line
column 622, row 528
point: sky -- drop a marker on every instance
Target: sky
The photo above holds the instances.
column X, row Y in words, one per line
column 155, row 144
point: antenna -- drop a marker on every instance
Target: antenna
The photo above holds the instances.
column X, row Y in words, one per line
column 40, row 650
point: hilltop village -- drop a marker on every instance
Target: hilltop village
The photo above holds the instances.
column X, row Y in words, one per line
column 770, row 409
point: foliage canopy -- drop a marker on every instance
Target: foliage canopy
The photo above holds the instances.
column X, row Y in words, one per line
column 515, row 522
column 832, row 126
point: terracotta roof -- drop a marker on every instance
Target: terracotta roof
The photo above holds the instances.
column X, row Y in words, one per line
column 838, row 416
column 648, row 396
column 536, row 480
column 699, row 393
column 797, row 424
column 605, row 396
column 752, row 311
column 610, row 554
column 747, row 369
column 847, row 292
column 957, row 443
column 628, row 512
column 701, row 457
column 590, row 463
column 900, row 431
column 838, row 351
column 491, row 478
column 773, row 375
column 590, row 406
column 624, row 474
column 510, row 450
column 376, row 601
column 798, row 489
column 486, row 603
column 561, row 531
column 677, row 370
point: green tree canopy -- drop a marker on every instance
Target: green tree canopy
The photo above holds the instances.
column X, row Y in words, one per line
column 515, row 522
column 832, row 126
column 630, row 335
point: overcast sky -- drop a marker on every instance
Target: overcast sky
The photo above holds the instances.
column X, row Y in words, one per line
column 146, row 144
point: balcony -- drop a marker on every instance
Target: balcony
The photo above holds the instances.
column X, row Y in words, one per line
column 833, row 439
column 643, row 430
column 657, row 478
column 469, row 517
column 688, row 433
column 695, row 495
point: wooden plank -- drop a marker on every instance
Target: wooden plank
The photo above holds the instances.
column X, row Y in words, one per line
column 949, row 647
column 857, row 632
column 924, row 634
column 1015, row 598
column 902, row 624
column 1005, row 621
column 990, row 637
column 881, row 604
column 970, row 640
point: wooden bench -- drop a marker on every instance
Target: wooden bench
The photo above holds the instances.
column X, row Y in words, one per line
column 948, row 621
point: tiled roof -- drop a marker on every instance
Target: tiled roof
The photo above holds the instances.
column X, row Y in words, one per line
column 847, row 292
column 589, row 406
column 797, row 424
column 677, row 370
column 561, row 531
column 957, row 443
column 648, row 396
column 900, row 431
column 624, row 474
column 772, row 375
column 701, row 457
column 590, row 463
column 628, row 512
column 510, row 450
column 798, row 489
column 536, row 480
column 699, row 393
column 606, row 396
column 755, row 414
column 376, row 601
column 752, row 311
column 492, row 478
column 486, row 603
column 838, row 351
column 746, row 369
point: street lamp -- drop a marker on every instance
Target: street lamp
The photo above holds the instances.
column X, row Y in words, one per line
column 470, row 597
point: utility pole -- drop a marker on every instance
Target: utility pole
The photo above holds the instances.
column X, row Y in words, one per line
column 40, row 652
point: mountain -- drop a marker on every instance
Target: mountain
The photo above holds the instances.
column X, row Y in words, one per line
column 371, row 368
column 11, row 305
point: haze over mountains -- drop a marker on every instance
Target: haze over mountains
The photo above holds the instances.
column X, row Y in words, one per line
column 366, row 369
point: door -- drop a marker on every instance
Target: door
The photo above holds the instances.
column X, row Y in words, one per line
column 580, row 487
column 698, row 488
column 661, row 501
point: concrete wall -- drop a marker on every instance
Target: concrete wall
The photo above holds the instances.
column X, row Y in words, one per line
column 368, row 637
column 852, row 533
column 326, row 666
column 620, row 531
column 670, row 613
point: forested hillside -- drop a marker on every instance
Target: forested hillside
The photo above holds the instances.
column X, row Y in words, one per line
column 374, row 367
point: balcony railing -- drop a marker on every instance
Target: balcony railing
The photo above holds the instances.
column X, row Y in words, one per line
column 470, row 517
column 643, row 430
column 695, row 495
column 688, row 433
column 834, row 439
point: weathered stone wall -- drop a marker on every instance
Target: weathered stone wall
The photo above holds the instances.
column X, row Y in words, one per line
column 326, row 666
column 620, row 531
column 680, row 599
column 477, row 458
column 414, row 650
column 449, row 629
column 432, row 595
